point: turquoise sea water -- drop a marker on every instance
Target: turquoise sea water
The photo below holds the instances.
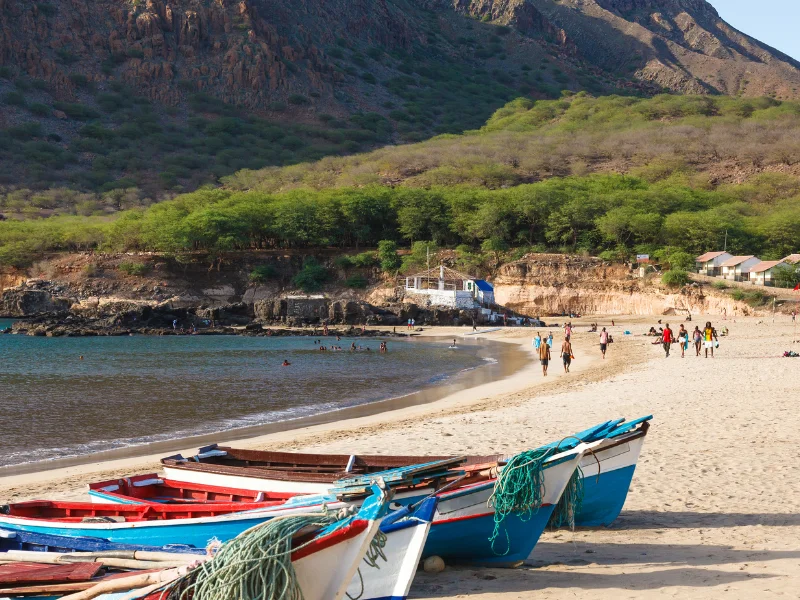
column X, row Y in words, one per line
column 128, row 391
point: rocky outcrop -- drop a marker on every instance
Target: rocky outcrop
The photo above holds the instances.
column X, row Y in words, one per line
column 23, row 302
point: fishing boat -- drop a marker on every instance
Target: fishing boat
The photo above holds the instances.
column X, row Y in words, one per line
column 388, row 573
column 607, row 470
column 323, row 561
column 467, row 528
column 280, row 472
column 385, row 573
column 148, row 524
column 152, row 489
column 42, row 542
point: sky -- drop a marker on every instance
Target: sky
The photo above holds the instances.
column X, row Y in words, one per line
column 773, row 22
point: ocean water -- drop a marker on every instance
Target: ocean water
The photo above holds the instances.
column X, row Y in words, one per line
column 129, row 391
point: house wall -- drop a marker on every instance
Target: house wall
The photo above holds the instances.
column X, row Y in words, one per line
column 446, row 298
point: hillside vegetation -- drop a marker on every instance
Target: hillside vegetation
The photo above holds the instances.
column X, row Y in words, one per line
column 610, row 175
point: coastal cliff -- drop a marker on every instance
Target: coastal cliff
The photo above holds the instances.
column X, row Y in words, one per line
column 546, row 284
column 85, row 294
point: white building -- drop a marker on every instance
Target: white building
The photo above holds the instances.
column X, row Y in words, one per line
column 762, row 273
column 737, row 268
column 445, row 287
column 710, row 263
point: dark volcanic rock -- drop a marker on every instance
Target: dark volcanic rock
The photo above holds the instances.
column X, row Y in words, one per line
column 22, row 302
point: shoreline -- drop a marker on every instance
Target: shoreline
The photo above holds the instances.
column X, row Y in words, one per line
column 710, row 513
column 509, row 374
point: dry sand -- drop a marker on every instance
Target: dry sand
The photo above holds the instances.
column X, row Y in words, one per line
column 714, row 510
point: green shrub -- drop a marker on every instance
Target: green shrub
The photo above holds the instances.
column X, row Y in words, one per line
column 134, row 268
column 390, row 261
column 6, row 72
column 77, row 111
column 720, row 285
column 737, row 294
column 79, row 79
column 311, row 277
column 675, row 278
column 14, row 98
column 364, row 260
column 263, row 273
column 297, row 99
column 356, row 281
column 682, row 261
column 39, row 109
column 343, row 262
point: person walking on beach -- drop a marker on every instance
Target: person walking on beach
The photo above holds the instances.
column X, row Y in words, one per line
column 568, row 330
column 709, row 337
column 666, row 339
column 603, row 342
column 566, row 353
column 794, row 314
column 544, row 356
column 697, row 336
column 683, row 339
column 550, row 339
column 409, row 324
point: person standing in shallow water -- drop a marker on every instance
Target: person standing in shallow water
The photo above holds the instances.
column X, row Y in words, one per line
column 544, row 357
column 666, row 339
column 566, row 353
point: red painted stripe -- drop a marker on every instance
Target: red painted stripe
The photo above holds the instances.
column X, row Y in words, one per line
column 467, row 517
column 337, row 537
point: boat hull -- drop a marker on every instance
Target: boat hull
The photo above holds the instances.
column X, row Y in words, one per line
column 606, row 488
column 195, row 532
column 389, row 575
column 465, row 521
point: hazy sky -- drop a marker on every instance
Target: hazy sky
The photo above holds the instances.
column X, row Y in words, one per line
column 773, row 22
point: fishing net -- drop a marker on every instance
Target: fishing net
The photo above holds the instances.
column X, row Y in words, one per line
column 519, row 490
column 256, row 565
column 569, row 505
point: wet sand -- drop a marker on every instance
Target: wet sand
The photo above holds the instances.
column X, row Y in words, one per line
column 714, row 510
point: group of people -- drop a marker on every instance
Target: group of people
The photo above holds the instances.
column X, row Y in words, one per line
column 543, row 346
column 705, row 339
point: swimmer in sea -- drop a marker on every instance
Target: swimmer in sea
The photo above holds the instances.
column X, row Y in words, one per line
column 286, row 363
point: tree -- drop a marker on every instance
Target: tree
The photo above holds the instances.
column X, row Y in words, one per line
column 786, row 276
column 387, row 256
column 496, row 247
column 683, row 261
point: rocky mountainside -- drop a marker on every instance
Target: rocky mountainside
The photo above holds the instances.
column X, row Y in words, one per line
column 137, row 82
column 681, row 45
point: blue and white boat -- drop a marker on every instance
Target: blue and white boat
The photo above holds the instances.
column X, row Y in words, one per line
column 608, row 468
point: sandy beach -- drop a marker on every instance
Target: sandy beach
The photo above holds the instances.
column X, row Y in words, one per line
column 714, row 510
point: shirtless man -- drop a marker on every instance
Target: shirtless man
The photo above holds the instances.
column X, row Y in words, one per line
column 544, row 357
column 566, row 353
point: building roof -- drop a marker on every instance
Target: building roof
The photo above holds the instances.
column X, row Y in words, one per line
column 736, row 260
column 765, row 265
column 709, row 256
column 792, row 258
column 440, row 272
column 484, row 286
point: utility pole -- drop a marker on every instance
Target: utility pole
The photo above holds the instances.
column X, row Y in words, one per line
column 725, row 249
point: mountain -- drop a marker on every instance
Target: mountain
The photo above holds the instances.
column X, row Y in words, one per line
column 160, row 96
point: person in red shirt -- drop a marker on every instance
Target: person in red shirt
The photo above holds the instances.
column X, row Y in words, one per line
column 666, row 339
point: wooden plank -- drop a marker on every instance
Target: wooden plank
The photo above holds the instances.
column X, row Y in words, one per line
column 42, row 573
